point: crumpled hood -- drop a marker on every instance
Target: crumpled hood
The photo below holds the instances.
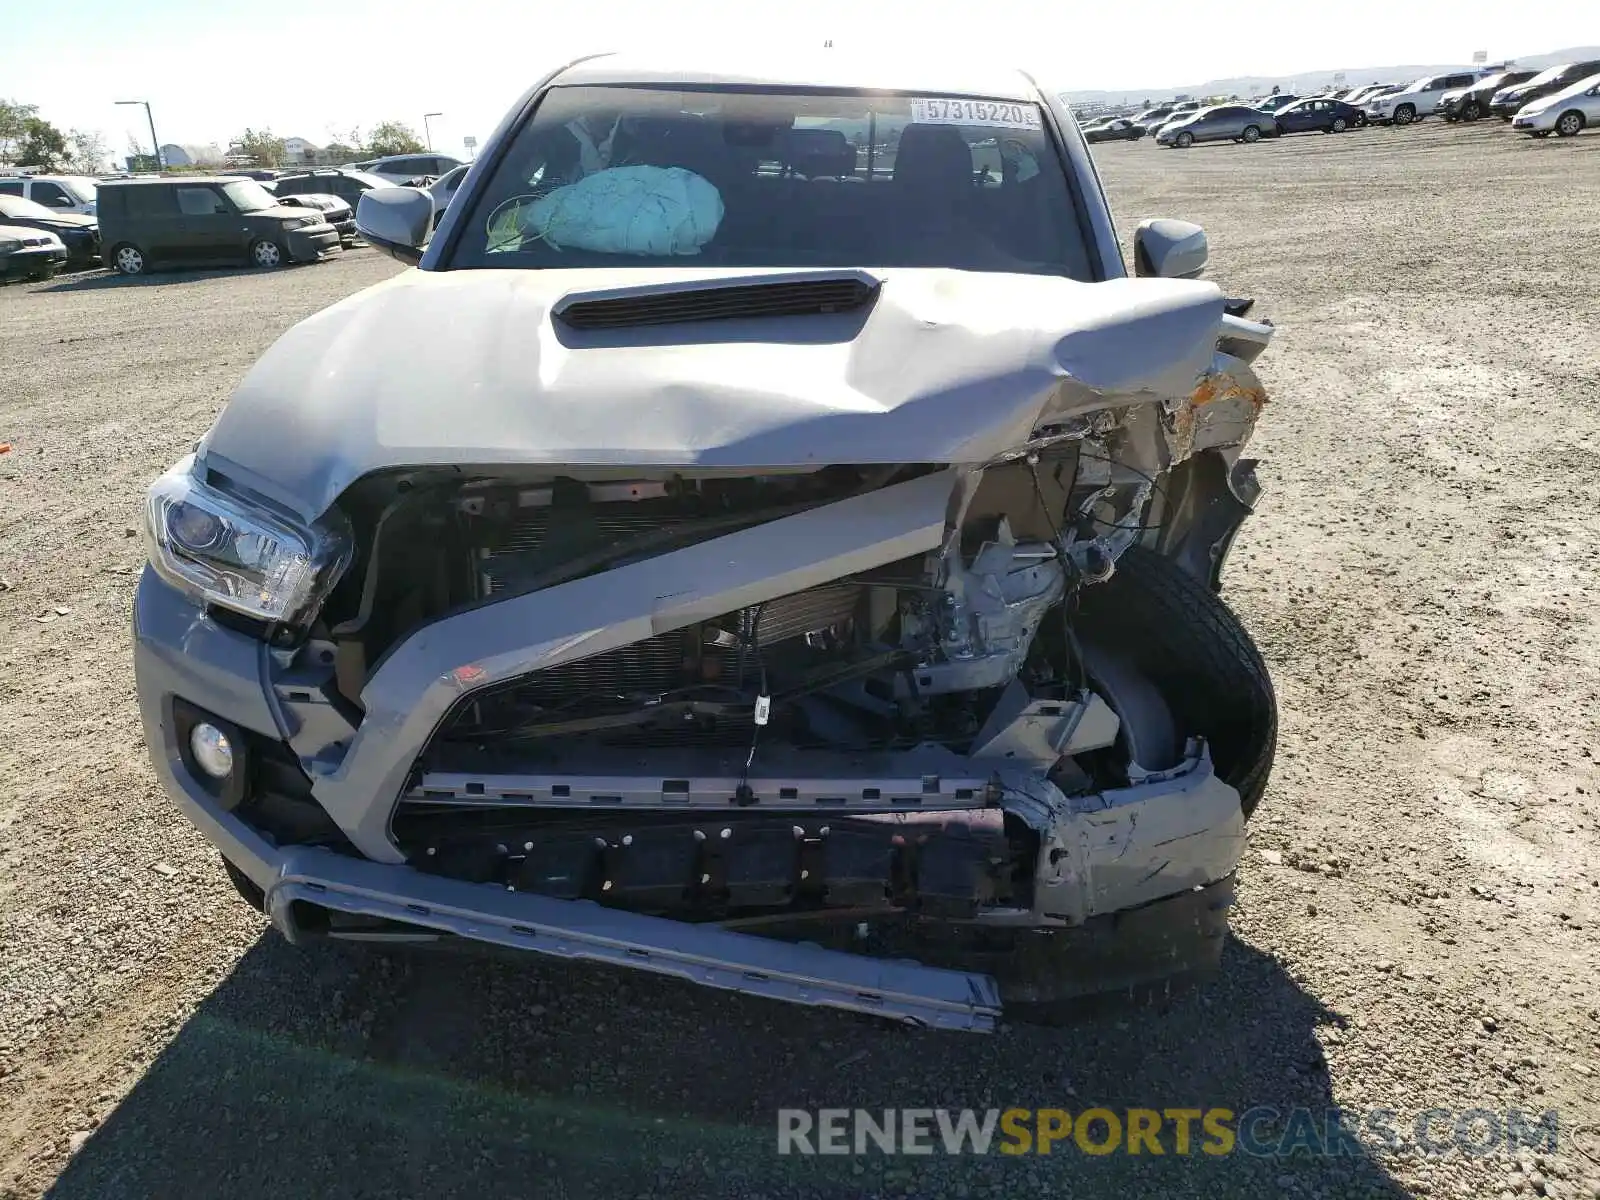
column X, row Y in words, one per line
column 469, row 368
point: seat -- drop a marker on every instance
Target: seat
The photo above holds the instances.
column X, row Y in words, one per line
column 933, row 214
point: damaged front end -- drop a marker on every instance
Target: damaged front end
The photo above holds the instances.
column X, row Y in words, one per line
column 645, row 713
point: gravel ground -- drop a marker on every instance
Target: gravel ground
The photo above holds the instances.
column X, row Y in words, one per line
column 1419, row 906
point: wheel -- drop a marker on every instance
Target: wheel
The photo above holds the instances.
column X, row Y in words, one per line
column 1471, row 111
column 1339, row 125
column 1405, row 114
column 1181, row 636
column 1251, row 134
column 1361, row 121
column 245, row 886
column 1184, row 140
column 267, row 253
column 43, row 273
column 1569, row 124
column 129, row 259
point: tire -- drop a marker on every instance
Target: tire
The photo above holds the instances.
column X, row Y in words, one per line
column 245, row 886
column 268, row 254
column 1471, row 111
column 1339, row 125
column 1569, row 124
column 1405, row 114
column 1251, row 134
column 128, row 259
column 1184, row 140
column 1188, row 642
column 43, row 273
column 1361, row 121
column 1539, row 133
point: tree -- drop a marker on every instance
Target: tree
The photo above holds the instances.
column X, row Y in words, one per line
column 13, row 117
column 43, row 145
column 391, row 137
column 88, row 152
column 267, row 150
column 340, row 152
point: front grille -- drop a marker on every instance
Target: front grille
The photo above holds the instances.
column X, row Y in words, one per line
column 781, row 298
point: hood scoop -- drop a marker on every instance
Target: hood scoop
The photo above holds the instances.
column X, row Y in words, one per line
column 795, row 294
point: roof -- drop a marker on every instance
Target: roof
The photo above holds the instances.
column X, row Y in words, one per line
column 815, row 69
column 172, row 179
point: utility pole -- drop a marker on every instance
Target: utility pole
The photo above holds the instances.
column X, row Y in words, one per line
column 154, row 143
column 427, row 132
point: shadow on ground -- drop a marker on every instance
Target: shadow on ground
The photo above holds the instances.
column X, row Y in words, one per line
column 344, row 1071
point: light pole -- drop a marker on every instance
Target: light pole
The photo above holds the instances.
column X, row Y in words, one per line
column 426, row 131
column 155, row 144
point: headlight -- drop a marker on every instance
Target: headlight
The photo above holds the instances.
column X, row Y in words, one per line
column 228, row 551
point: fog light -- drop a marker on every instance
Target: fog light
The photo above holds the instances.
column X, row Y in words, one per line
column 212, row 751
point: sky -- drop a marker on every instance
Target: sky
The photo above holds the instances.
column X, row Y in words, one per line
column 210, row 68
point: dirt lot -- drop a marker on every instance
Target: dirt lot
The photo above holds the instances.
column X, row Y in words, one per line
column 1420, row 905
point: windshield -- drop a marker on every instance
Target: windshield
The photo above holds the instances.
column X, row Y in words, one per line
column 776, row 179
column 1550, row 76
column 80, row 189
column 16, row 206
column 248, row 195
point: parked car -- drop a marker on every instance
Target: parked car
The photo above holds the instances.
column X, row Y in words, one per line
column 1417, row 99
column 1566, row 113
column 78, row 233
column 444, row 188
column 27, row 253
column 194, row 219
column 403, row 168
column 1117, row 129
column 1152, row 119
column 1274, row 104
column 1361, row 95
column 335, row 211
column 1507, row 101
column 1472, row 103
column 1313, row 115
column 59, row 193
column 1220, row 123
column 259, row 174
column 595, row 620
column 347, row 184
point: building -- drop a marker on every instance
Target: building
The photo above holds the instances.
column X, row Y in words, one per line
column 190, row 155
column 297, row 150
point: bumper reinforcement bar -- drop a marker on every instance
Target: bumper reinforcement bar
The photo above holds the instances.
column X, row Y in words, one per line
column 703, row 954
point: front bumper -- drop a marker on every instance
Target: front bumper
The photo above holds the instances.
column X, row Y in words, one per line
column 311, row 242
column 31, row 260
column 1531, row 122
column 1162, row 837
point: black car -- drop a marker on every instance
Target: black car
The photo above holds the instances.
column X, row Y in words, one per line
column 1152, row 119
column 28, row 253
column 343, row 182
column 79, row 234
column 335, row 211
column 1469, row 104
column 1508, row 100
column 1318, row 114
column 1117, row 129
column 197, row 219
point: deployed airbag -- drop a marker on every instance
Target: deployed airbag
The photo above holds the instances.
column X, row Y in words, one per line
column 656, row 211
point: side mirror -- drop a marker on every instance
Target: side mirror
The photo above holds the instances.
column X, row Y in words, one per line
column 1169, row 249
column 396, row 220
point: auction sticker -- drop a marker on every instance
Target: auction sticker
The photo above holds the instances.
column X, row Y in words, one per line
column 998, row 114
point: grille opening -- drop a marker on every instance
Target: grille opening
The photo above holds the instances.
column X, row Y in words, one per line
column 781, row 298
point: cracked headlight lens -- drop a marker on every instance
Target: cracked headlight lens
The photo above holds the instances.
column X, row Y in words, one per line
column 230, row 551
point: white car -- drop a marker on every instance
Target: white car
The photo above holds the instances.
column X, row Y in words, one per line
column 1566, row 112
column 58, row 193
column 1416, row 100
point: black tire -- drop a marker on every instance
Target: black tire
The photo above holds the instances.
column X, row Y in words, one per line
column 1569, row 124
column 43, row 274
column 1539, row 133
column 1471, row 111
column 128, row 259
column 268, row 254
column 1405, row 114
column 1184, row 140
column 245, row 886
column 1339, row 125
column 1182, row 636
column 1251, row 134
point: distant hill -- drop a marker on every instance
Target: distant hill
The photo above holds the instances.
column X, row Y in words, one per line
column 1312, row 81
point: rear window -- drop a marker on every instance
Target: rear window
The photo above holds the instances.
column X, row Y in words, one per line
column 801, row 180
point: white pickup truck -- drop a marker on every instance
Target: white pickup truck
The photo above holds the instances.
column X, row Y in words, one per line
column 59, row 193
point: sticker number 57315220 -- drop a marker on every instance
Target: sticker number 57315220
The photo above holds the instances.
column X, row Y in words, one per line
column 1001, row 114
